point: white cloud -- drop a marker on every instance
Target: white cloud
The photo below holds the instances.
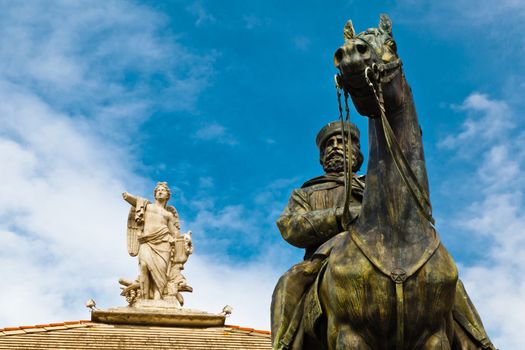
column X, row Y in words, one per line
column 497, row 284
column 495, row 214
column 488, row 119
column 246, row 287
column 61, row 215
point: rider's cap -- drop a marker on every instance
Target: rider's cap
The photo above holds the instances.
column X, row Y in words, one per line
column 335, row 127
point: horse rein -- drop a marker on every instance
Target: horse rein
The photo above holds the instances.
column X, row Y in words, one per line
column 347, row 163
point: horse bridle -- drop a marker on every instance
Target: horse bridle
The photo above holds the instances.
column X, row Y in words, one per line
column 379, row 71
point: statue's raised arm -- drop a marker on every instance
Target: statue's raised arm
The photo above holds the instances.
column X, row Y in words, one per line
column 135, row 221
column 131, row 199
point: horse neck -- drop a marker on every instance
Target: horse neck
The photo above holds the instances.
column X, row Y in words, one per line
column 388, row 205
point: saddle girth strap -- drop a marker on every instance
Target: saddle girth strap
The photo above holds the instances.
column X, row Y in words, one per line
column 398, row 276
column 400, row 309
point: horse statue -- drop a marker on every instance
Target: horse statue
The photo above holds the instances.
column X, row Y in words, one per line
column 389, row 283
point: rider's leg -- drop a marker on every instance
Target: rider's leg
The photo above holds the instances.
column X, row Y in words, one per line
column 287, row 297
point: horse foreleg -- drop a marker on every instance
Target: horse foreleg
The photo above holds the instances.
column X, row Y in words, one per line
column 437, row 341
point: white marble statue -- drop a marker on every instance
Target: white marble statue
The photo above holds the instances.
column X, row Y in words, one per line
column 154, row 237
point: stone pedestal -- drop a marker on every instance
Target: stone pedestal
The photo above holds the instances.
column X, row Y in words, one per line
column 159, row 313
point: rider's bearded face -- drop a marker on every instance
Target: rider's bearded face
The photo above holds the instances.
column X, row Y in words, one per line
column 332, row 154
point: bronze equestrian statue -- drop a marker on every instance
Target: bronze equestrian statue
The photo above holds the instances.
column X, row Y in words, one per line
column 387, row 281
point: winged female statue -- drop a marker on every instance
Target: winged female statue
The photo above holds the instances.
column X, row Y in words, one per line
column 154, row 236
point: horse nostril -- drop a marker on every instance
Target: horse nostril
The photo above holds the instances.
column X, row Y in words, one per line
column 362, row 48
column 338, row 56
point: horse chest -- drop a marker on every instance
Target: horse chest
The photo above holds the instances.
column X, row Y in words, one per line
column 364, row 297
column 359, row 294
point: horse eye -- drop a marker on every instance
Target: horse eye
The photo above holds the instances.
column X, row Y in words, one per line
column 392, row 45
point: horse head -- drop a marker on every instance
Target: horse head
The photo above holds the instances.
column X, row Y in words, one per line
column 370, row 57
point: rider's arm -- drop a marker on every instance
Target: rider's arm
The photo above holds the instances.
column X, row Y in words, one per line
column 303, row 227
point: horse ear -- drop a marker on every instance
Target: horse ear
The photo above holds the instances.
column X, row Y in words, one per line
column 349, row 31
column 385, row 24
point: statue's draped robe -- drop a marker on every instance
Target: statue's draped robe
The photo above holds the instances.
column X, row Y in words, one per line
column 154, row 252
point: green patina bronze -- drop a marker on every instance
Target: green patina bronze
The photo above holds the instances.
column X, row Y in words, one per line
column 382, row 279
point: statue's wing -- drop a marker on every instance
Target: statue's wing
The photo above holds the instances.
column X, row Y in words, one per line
column 172, row 210
column 133, row 233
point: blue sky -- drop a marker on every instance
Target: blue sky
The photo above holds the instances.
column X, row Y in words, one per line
column 223, row 100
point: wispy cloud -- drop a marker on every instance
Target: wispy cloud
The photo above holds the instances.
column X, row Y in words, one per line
column 497, row 24
column 77, row 57
column 228, row 224
column 495, row 214
column 202, row 15
column 302, row 43
column 220, row 278
column 464, row 12
column 215, row 132
column 252, row 21
column 487, row 120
